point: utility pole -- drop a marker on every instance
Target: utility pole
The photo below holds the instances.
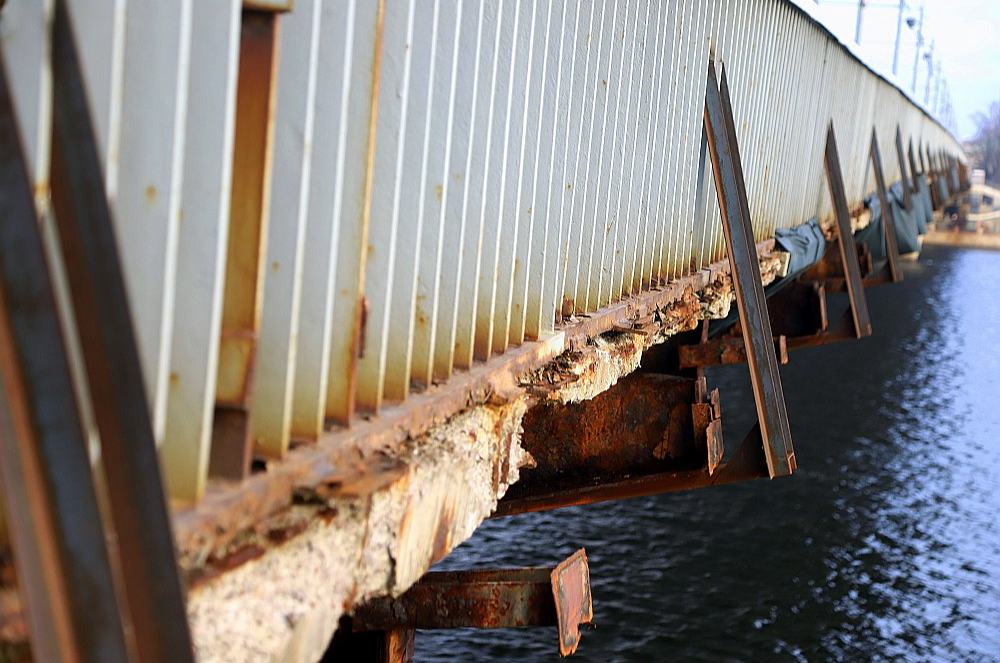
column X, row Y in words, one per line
column 899, row 35
column 930, row 73
column 857, row 30
column 916, row 56
column 937, row 86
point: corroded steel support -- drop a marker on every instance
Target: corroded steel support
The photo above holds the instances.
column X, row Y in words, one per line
column 247, row 244
column 745, row 464
column 648, row 425
column 888, row 222
column 913, row 168
column 905, row 177
column 493, row 598
column 724, row 350
column 845, row 237
column 62, row 560
column 113, row 371
column 720, row 128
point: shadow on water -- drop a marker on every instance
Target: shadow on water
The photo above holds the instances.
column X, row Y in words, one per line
column 884, row 546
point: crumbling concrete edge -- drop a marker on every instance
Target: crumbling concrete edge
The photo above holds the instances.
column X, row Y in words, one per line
column 328, row 552
column 277, row 592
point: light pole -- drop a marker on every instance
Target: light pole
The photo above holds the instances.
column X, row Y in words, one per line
column 857, row 29
column 929, row 56
column 899, row 34
column 916, row 56
column 937, row 86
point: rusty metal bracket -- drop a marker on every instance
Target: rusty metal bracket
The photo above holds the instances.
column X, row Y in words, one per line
column 656, row 432
column 63, row 567
column 892, row 268
column 905, row 178
column 725, row 350
column 913, row 167
column 111, row 359
column 845, row 237
column 491, row 598
column 720, row 129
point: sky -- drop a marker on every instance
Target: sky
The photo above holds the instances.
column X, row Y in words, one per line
column 966, row 36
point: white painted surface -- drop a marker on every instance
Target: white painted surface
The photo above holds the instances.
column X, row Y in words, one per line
column 147, row 209
column 271, row 411
column 25, row 36
column 352, row 239
column 201, row 246
column 326, row 189
column 383, row 232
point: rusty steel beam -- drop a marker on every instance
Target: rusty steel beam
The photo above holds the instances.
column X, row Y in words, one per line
column 913, row 167
column 647, row 424
column 643, row 424
column 724, row 350
column 63, row 566
column 747, row 463
column 848, row 254
column 904, row 176
column 111, row 359
column 493, row 598
column 232, row 447
column 888, row 222
column 720, row 129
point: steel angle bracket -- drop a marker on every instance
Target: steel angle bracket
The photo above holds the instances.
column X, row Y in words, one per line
column 857, row 315
column 892, row 268
column 484, row 598
column 720, row 129
column 905, row 177
column 914, row 172
column 891, row 271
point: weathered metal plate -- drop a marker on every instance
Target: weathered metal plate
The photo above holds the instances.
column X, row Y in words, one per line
column 638, row 425
column 574, row 604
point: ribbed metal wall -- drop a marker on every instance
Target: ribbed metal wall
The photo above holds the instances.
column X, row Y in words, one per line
column 450, row 177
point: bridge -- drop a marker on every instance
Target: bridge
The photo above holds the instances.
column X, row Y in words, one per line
column 295, row 295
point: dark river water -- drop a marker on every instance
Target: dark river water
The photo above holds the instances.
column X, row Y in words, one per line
column 884, row 546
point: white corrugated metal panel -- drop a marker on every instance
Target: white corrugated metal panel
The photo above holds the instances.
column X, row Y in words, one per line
column 148, row 203
column 201, row 246
column 450, row 178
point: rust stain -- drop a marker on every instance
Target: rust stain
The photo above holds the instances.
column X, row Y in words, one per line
column 150, row 194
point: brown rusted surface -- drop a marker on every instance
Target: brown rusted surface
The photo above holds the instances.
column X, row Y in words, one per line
column 723, row 350
column 392, row 646
column 232, row 446
column 798, row 309
column 746, row 464
column 342, row 454
column 248, row 217
column 490, row 598
column 574, row 605
column 644, row 421
column 840, row 330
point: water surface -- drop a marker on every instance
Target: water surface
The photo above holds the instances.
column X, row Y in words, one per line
column 884, row 546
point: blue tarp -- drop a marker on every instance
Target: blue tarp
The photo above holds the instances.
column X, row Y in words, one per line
column 806, row 245
column 909, row 225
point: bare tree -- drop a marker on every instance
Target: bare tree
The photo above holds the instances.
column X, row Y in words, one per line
column 987, row 141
